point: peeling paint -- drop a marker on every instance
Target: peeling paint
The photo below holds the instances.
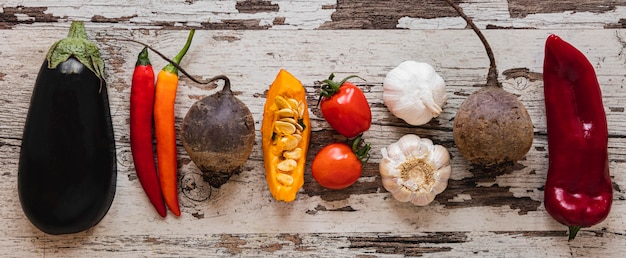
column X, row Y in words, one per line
column 226, row 38
column 522, row 72
column 152, row 240
column 410, row 245
column 499, row 27
column 525, row 234
column 279, row 21
column 296, row 239
column 364, row 14
column 492, row 196
column 242, row 24
column 272, row 247
column 102, row 19
column 232, row 244
column 198, row 215
column 256, row 6
column 12, row 16
column 522, row 8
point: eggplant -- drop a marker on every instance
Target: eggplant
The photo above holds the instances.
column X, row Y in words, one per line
column 67, row 169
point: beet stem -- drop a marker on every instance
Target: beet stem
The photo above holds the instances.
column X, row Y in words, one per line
column 492, row 76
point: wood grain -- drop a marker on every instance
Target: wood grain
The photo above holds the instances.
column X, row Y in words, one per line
column 319, row 14
column 482, row 213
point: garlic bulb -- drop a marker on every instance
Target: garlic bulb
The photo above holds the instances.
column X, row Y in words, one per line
column 414, row 169
column 414, row 92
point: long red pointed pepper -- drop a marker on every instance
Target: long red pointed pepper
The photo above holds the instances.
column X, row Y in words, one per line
column 578, row 191
column 165, row 97
column 141, row 106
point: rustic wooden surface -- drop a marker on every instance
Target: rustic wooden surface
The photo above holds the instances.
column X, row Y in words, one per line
column 481, row 213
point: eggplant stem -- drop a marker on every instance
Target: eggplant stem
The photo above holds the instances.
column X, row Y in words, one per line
column 77, row 30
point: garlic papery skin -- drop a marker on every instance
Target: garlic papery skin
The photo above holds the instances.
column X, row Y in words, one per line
column 413, row 169
column 414, row 92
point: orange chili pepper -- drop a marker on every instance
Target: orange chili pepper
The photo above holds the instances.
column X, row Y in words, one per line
column 165, row 131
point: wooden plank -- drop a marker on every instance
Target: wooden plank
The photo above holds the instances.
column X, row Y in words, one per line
column 319, row 14
column 480, row 214
column 449, row 244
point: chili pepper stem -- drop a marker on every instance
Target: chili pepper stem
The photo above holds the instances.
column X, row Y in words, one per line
column 170, row 67
column 143, row 59
column 573, row 230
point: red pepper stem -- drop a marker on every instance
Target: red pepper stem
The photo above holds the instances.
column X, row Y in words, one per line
column 573, row 230
column 492, row 75
column 170, row 67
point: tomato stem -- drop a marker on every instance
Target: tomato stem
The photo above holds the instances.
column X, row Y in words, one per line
column 361, row 149
column 330, row 87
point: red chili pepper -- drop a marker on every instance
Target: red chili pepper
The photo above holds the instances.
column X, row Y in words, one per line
column 578, row 191
column 141, row 108
column 165, row 129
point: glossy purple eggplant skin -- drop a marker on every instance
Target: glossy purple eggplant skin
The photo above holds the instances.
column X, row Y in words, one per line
column 67, row 169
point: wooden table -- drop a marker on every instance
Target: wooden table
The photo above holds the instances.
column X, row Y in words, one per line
column 480, row 214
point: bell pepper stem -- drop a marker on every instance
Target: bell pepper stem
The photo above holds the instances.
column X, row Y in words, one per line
column 573, row 230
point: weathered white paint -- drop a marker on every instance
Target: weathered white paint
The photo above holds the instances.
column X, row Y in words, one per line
column 299, row 14
column 496, row 13
column 241, row 218
column 244, row 206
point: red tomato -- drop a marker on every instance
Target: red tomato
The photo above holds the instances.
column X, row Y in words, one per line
column 345, row 107
column 336, row 166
